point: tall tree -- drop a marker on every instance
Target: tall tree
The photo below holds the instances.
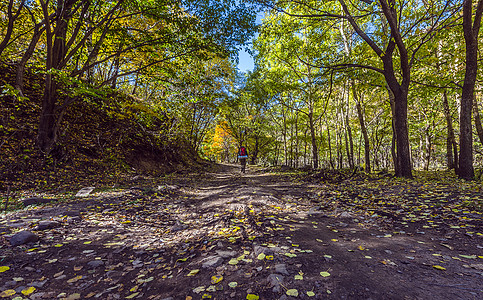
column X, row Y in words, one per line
column 471, row 29
column 395, row 32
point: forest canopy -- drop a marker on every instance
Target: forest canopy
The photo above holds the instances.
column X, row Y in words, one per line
column 377, row 85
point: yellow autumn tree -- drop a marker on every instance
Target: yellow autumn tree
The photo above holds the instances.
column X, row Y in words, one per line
column 220, row 145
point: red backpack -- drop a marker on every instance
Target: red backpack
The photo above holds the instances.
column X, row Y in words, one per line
column 243, row 151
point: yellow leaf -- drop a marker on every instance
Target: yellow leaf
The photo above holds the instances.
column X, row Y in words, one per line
column 58, row 245
column 252, row 297
column 7, row 293
column 233, row 284
column 361, row 248
column 439, row 268
column 4, row 268
column 292, row 292
column 310, row 294
column 261, row 256
column 193, row 272
column 28, row 291
column 74, row 296
column 75, row 279
column 215, row 279
column 324, row 274
column 78, row 268
column 132, row 296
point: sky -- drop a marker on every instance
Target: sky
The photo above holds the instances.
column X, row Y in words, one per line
column 245, row 61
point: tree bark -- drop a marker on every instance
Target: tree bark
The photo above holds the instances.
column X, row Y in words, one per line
column 11, row 20
column 479, row 127
column 367, row 149
column 315, row 151
column 399, row 89
column 56, row 51
column 451, row 147
column 470, row 29
column 20, row 71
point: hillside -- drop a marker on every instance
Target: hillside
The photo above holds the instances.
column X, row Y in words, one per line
column 104, row 138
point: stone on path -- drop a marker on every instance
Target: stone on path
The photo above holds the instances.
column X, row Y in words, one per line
column 44, row 225
column 275, row 281
column 178, row 226
column 226, row 254
column 345, row 215
column 260, row 249
column 85, row 191
column 23, row 237
column 36, row 200
column 281, row 268
column 95, row 263
column 212, row 262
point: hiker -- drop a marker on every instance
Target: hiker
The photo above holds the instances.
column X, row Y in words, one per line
column 243, row 155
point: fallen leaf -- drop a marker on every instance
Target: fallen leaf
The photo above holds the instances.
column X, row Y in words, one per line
column 292, row 292
column 310, row 294
column 74, row 296
column 4, row 268
column 7, row 293
column 233, row 261
column 132, row 296
column 28, row 291
column 216, row 278
column 199, row 289
column 75, row 279
column 233, row 284
column 324, row 274
column 252, row 297
column 439, row 268
column 193, row 272
column 261, row 256
column 299, row 277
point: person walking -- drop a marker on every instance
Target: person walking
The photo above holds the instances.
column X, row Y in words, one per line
column 243, row 155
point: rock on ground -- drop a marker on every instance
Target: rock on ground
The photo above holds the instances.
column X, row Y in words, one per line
column 23, row 237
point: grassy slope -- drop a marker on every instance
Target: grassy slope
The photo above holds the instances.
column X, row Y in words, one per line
column 101, row 140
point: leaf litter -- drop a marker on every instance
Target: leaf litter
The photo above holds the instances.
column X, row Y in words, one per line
column 155, row 243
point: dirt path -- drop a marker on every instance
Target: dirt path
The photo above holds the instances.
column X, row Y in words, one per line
column 226, row 235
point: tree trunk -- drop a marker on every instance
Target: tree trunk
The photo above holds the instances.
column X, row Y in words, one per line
column 329, row 144
column 479, row 127
column 315, row 151
column 427, row 148
column 10, row 25
column 255, row 150
column 348, row 137
column 56, row 51
column 393, row 125
column 360, row 114
column 451, row 147
column 20, row 72
column 470, row 31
